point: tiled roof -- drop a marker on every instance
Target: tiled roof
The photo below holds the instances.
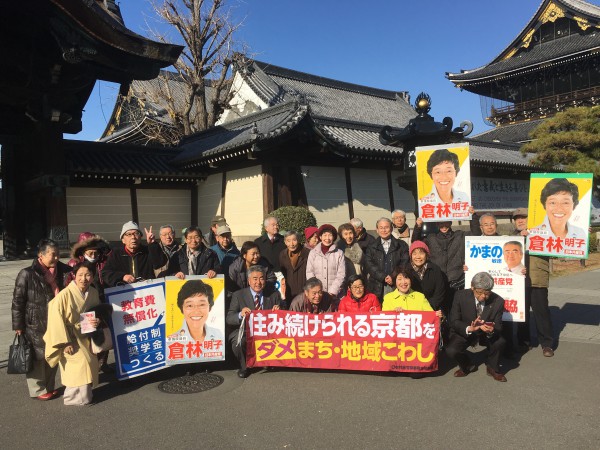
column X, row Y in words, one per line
column 485, row 154
column 361, row 141
column 514, row 133
column 331, row 99
column 118, row 161
column 236, row 137
column 556, row 51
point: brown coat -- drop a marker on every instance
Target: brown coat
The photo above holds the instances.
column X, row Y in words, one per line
column 294, row 277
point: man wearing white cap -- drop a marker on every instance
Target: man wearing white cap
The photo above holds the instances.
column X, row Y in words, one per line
column 131, row 262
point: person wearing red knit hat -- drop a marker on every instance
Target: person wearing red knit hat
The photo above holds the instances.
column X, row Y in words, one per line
column 428, row 278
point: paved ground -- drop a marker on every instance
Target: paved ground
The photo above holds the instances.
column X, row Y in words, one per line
column 547, row 403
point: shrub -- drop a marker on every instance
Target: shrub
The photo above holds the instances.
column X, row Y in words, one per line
column 294, row 218
column 593, row 248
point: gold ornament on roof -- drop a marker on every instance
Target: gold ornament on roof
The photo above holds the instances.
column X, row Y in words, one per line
column 582, row 22
column 527, row 38
column 552, row 12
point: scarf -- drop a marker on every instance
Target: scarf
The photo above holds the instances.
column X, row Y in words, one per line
column 420, row 271
column 294, row 257
column 354, row 253
column 169, row 250
column 192, row 256
column 50, row 276
column 310, row 307
column 403, row 231
column 325, row 248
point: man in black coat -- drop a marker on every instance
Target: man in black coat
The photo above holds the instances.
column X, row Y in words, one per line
column 476, row 318
column 243, row 302
column 382, row 257
column 271, row 244
column 131, row 262
column 363, row 238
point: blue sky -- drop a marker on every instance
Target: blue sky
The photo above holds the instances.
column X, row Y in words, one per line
column 396, row 45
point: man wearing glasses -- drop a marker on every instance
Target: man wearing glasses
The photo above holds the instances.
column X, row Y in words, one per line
column 131, row 262
column 476, row 318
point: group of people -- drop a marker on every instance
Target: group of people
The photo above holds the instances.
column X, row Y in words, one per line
column 344, row 269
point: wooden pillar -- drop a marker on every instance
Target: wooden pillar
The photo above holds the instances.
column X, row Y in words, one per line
column 349, row 193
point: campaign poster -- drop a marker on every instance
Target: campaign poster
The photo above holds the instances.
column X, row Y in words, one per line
column 384, row 341
column 444, row 182
column 503, row 257
column 195, row 319
column 559, row 214
column 138, row 327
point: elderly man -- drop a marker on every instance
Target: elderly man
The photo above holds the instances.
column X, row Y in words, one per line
column 271, row 243
column 252, row 298
column 362, row 237
column 536, row 292
column 210, row 238
column 225, row 248
column 313, row 300
column 381, row 258
column 486, row 225
column 476, row 318
column 131, row 262
column 162, row 251
column 401, row 230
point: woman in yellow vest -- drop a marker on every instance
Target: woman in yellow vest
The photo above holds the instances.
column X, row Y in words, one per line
column 403, row 298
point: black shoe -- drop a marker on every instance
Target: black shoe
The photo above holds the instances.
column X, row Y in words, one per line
column 105, row 368
column 243, row 373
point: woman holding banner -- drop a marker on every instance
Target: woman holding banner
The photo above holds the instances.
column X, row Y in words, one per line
column 404, row 298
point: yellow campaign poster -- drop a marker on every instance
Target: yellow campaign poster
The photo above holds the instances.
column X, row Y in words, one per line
column 444, row 182
column 559, row 214
column 195, row 319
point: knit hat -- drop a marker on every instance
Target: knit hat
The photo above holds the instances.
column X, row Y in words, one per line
column 85, row 236
column 309, row 231
column 522, row 212
column 128, row 227
column 418, row 244
column 327, row 227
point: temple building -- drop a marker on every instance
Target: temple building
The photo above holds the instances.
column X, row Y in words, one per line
column 551, row 65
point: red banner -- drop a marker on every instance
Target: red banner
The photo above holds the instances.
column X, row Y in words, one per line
column 385, row 341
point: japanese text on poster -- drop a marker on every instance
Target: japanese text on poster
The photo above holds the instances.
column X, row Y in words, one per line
column 444, row 182
column 503, row 257
column 195, row 319
column 386, row 341
column 559, row 214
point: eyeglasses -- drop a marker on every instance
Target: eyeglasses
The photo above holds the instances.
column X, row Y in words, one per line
column 132, row 234
column 358, row 287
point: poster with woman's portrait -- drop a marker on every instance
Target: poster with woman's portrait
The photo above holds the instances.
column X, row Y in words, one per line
column 195, row 319
column 559, row 214
column 444, row 182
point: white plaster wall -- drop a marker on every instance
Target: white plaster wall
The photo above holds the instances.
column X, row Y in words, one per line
column 370, row 195
column 326, row 194
column 209, row 200
column 403, row 199
column 158, row 207
column 244, row 201
column 100, row 210
column 244, row 102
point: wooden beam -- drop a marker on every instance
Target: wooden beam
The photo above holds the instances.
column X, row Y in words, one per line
column 134, row 205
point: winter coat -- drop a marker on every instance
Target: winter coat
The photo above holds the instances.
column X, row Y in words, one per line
column 299, row 304
column 295, row 277
column 378, row 265
column 239, row 278
column 158, row 253
column 433, row 285
column 368, row 303
column 538, row 268
column 30, row 303
column 226, row 257
column 365, row 239
column 447, row 251
column 120, row 263
column 77, row 253
column 271, row 250
column 330, row 268
column 206, row 260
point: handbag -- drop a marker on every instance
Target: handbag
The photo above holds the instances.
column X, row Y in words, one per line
column 20, row 356
column 103, row 344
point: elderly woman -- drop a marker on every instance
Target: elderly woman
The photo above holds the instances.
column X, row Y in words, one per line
column 292, row 262
column 352, row 251
column 404, row 298
column 313, row 300
column 195, row 301
column 34, row 288
column 401, row 228
column 193, row 258
column 249, row 256
column 428, row 278
column 66, row 345
column 358, row 299
column 327, row 263
column 311, row 235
